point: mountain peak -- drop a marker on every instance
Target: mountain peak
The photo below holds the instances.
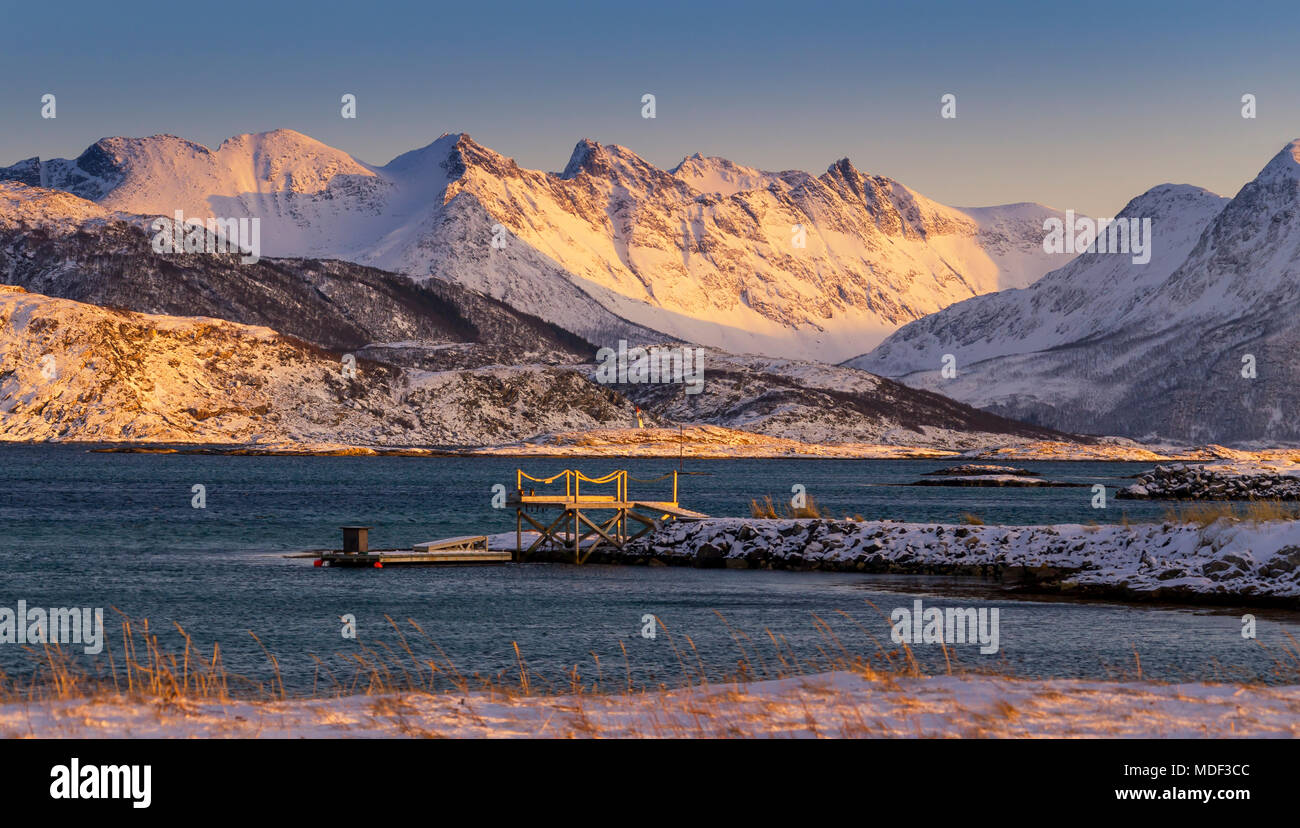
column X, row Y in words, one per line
column 448, row 148
column 587, row 156
column 606, row 161
column 713, row 174
column 1286, row 164
column 274, row 137
column 119, row 146
column 1165, row 200
column 844, row 168
column 27, row 171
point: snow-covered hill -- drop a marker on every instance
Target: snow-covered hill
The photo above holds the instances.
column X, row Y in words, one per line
column 73, row 371
column 825, row 404
column 63, row 246
column 1164, row 349
column 785, row 264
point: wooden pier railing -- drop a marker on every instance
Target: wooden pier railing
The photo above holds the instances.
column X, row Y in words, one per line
column 567, row 529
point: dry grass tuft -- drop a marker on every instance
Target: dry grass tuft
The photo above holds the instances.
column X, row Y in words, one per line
column 767, row 510
column 1253, row 511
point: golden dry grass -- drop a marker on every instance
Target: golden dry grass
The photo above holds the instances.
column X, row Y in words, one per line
column 1204, row 513
column 174, row 682
column 767, row 509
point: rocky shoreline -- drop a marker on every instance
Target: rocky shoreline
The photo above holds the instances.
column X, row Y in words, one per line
column 1275, row 480
column 1226, row 562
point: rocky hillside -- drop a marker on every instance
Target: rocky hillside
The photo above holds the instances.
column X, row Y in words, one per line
column 59, row 245
column 73, row 371
column 818, row 403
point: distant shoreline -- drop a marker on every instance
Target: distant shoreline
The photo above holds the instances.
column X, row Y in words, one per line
column 702, row 442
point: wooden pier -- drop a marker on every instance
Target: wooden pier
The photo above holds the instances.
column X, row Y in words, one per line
column 576, row 527
column 590, row 511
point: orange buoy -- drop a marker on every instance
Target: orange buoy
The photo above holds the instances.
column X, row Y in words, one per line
column 379, row 564
column 319, row 562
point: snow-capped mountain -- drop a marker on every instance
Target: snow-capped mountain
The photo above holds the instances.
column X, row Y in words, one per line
column 126, row 376
column 786, row 264
column 1081, row 300
column 1197, row 345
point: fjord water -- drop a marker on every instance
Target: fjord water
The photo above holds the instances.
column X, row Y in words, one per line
column 82, row 529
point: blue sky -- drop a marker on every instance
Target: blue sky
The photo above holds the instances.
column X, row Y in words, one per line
column 1079, row 106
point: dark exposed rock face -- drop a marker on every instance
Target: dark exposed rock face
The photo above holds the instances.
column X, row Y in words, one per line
column 336, row 305
column 25, row 172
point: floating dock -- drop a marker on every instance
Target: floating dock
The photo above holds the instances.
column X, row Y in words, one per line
column 471, row 549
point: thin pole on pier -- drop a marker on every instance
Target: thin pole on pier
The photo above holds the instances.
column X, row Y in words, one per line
column 681, row 437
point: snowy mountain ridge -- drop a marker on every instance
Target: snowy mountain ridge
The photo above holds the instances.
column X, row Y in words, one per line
column 783, row 264
column 1198, row 345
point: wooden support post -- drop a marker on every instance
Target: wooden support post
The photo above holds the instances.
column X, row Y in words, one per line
column 547, row 535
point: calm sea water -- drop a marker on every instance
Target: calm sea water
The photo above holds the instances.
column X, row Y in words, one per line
column 118, row 530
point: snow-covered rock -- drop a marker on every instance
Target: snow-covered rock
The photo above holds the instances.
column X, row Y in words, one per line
column 1234, row 480
column 1223, row 561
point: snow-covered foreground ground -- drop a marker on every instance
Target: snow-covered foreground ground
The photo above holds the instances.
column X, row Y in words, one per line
column 840, row 704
